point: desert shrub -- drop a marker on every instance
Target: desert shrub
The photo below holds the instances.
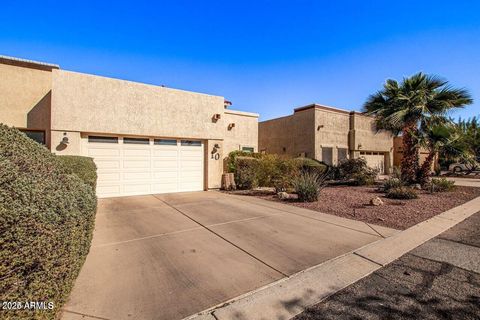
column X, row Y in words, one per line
column 46, row 222
column 312, row 165
column 230, row 162
column 396, row 172
column 246, row 172
column 391, row 184
column 357, row 171
column 83, row 167
column 402, row 193
column 285, row 171
column 308, row 185
column 440, row 185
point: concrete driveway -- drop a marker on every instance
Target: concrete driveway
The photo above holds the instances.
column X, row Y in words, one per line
column 172, row 255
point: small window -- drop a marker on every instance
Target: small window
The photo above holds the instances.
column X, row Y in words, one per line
column 100, row 139
column 136, row 141
column 327, row 155
column 165, row 142
column 342, row 154
column 194, row 143
column 36, row 135
column 248, row 149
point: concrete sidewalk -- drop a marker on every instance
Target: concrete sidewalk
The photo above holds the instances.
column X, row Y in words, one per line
column 465, row 182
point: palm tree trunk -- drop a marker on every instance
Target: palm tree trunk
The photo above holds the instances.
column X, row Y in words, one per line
column 425, row 169
column 409, row 164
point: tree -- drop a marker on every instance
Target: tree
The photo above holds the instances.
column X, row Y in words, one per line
column 408, row 107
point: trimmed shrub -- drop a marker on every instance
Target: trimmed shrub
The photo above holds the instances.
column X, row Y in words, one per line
column 440, row 185
column 401, row 193
column 357, row 171
column 83, row 167
column 391, row 184
column 232, row 156
column 312, row 165
column 246, row 172
column 46, row 221
column 308, row 185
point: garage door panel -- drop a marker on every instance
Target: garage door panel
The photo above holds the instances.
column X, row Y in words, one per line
column 108, row 176
column 109, row 190
column 136, row 163
column 107, row 164
column 170, row 164
column 172, row 153
column 136, row 153
column 136, row 175
column 136, row 188
column 164, row 175
column 103, row 152
column 134, row 169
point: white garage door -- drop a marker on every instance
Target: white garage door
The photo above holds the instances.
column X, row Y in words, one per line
column 375, row 160
column 134, row 166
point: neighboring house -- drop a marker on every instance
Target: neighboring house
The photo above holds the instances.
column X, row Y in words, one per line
column 422, row 154
column 144, row 139
column 329, row 135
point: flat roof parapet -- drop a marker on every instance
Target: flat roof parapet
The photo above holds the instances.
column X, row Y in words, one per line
column 28, row 63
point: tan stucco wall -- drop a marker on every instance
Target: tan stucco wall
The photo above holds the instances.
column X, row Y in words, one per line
column 89, row 103
column 364, row 135
column 243, row 134
column 295, row 133
column 25, row 97
column 331, row 130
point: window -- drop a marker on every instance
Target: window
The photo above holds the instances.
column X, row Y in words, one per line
column 36, row 135
column 165, row 142
column 327, row 155
column 191, row 143
column 136, row 141
column 342, row 154
column 100, row 139
column 248, row 149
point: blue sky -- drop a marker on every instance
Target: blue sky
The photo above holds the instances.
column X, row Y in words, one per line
column 265, row 56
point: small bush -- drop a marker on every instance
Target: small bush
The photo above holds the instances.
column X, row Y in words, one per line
column 83, row 167
column 231, row 162
column 312, row 165
column 246, row 172
column 46, row 222
column 401, row 193
column 440, row 185
column 357, row 171
column 391, row 184
column 308, row 185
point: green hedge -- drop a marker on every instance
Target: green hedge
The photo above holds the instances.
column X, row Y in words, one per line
column 83, row 167
column 46, row 220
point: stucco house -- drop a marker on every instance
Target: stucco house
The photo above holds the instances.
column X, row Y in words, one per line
column 327, row 134
column 144, row 138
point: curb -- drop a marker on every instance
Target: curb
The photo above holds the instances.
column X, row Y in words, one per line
column 289, row 296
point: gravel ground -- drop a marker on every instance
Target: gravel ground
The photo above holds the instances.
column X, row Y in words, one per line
column 353, row 203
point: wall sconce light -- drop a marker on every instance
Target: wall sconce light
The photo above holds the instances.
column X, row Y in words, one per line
column 216, row 145
column 320, row 127
column 65, row 140
column 231, row 126
column 360, row 146
column 216, row 116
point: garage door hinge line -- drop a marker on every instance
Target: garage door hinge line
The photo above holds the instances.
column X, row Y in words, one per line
column 224, row 239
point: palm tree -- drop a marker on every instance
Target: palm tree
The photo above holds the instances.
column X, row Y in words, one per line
column 417, row 102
